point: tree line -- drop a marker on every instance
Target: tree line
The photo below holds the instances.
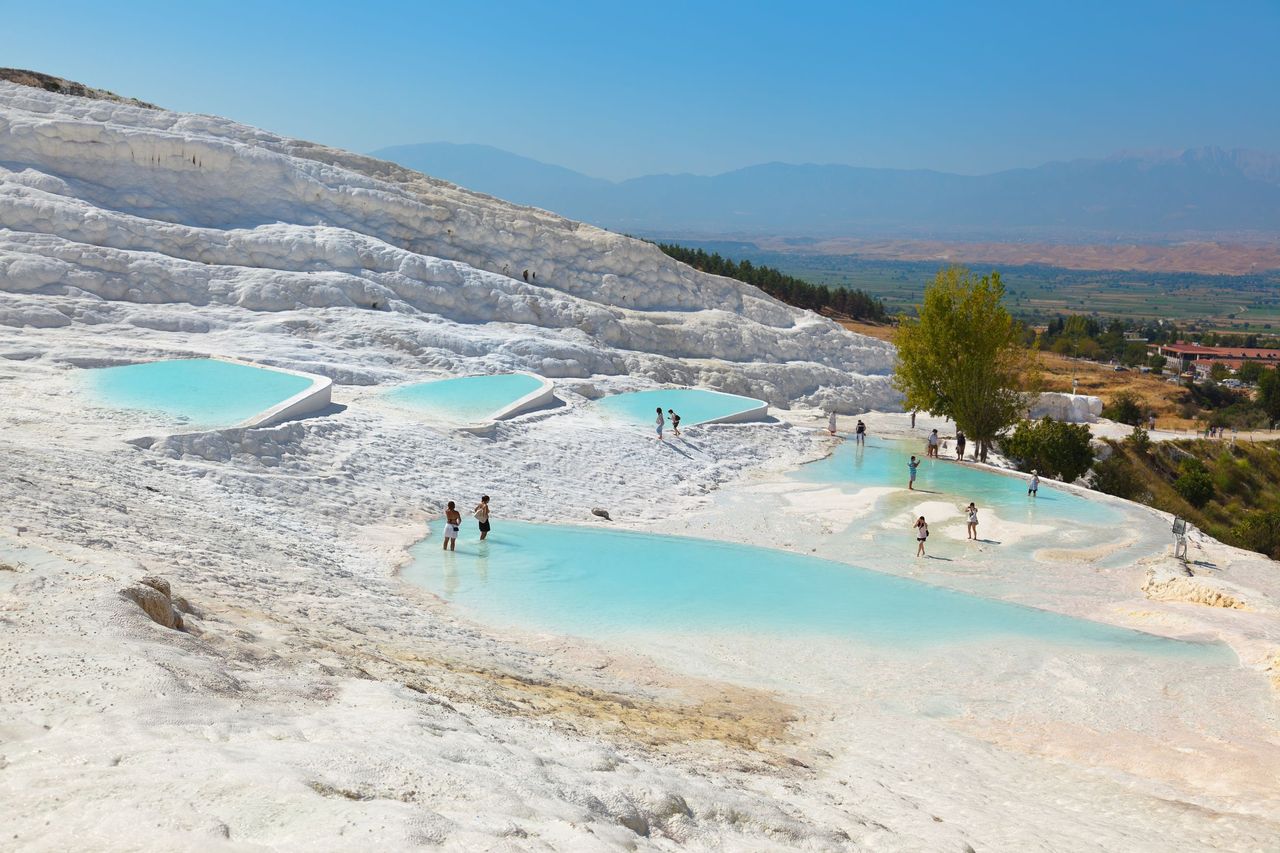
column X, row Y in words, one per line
column 848, row 302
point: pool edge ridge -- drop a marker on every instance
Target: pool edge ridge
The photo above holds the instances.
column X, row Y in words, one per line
column 315, row 397
column 534, row 400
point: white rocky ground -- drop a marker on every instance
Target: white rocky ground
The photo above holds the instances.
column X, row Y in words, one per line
column 316, row 701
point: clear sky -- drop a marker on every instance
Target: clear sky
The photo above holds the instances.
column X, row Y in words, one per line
column 622, row 89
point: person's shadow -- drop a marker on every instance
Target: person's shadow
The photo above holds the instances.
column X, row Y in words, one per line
column 672, row 445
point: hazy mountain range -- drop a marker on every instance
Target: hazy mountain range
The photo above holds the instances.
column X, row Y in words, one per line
column 1143, row 195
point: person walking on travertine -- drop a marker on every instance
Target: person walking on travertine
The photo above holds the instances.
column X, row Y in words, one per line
column 452, row 520
column 922, row 533
column 831, row 422
column 481, row 512
column 971, row 511
column 659, row 424
column 675, row 422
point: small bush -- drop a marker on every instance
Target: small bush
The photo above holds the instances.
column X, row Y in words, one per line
column 1053, row 448
column 1139, row 439
column 1124, row 408
column 1196, row 487
column 1259, row 531
column 1116, row 476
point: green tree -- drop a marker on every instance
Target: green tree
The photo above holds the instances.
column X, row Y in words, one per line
column 963, row 356
column 1269, row 394
column 1124, row 408
column 1218, row 371
column 1250, row 371
column 1057, row 449
column 1157, row 363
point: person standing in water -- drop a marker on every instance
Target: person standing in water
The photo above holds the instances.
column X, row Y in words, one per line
column 960, row 442
column 922, row 533
column 931, row 443
column 452, row 519
column 1034, row 485
column 831, row 422
column 971, row 512
column 911, row 476
column 860, row 432
column 659, row 424
column 675, row 421
column 481, row 512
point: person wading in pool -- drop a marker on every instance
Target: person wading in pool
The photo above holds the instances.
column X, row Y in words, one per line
column 971, row 511
column 911, row 469
column 481, row 512
column 659, row 424
column 452, row 519
column 1033, row 485
column 922, row 533
column 675, row 421
column 860, row 433
column 931, row 448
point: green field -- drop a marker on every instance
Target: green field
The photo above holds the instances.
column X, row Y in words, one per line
column 1038, row 293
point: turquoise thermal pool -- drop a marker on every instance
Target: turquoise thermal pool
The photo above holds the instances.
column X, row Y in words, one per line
column 204, row 393
column 884, row 463
column 466, row 399
column 693, row 405
column 602, row 583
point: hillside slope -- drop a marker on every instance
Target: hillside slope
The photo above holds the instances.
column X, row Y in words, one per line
column 109, row 210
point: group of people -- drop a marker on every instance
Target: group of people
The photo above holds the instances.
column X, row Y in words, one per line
column 453, row 522
column 931, row 444
column 675, row 422
column 971, row 511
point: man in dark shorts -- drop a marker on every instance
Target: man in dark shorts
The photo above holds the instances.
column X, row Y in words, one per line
column 481, row 512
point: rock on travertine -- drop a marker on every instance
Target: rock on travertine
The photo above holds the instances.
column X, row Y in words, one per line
column 152, row 595
column 603, row 513
column 1072, row 408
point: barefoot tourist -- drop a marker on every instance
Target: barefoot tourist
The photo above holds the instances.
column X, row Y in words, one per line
column 860, row 432
column 922, row 533
column 481, row 512
column 911, row 477
column 452, row 520
column 1033, row 485
column 831, row 422
column 659, row 424
column 675, row 421
column 972, row 512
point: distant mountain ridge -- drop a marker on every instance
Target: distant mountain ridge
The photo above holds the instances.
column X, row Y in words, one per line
column 1144, row 194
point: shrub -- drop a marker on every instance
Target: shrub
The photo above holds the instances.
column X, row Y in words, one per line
column 1195, row 486
column 1139, row 439
column 1259, row 531
column 1124, row 408
column 1053, row 448
column 1117, row 476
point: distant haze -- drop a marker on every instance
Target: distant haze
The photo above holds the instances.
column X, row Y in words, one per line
column 1199, row 192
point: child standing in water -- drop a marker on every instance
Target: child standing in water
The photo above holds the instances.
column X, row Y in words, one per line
column 972, row 512
column 659, row 424
column 481, row 512
column 1034, row 485
column 675, row 422
column 452, row 519
column 922, row 533
column 911, row 468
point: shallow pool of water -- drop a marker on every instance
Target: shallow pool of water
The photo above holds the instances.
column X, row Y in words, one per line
column 693, row 405
column 884, row 463
column 601, row 583
column 204, row 393
column 465, row 399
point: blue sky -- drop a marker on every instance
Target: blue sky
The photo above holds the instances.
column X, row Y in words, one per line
column 618, row 90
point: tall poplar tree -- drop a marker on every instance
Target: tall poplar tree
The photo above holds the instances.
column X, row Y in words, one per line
column 963, row 356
